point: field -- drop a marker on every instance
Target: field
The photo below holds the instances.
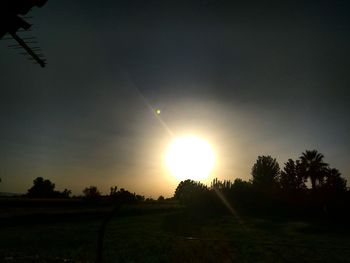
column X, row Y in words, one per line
column 163, row 233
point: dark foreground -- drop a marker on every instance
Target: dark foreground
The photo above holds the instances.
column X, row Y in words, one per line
column 168, row 233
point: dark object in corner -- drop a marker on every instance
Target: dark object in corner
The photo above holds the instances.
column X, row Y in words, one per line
column 11, row 22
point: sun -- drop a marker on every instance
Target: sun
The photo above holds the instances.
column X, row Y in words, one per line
column 190, row 157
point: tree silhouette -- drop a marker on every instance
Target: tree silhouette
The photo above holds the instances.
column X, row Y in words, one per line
column 124, row 196
column 140, row 198
column 333, row 181
column 313, row 167
column 113, row 191
column 241, row 188
column 66, row 193
column 265, row 172
column 189, row 192
column 239, row 184
column 91, row 192
column 221, row 185
column 292, row 178
column 42, row 188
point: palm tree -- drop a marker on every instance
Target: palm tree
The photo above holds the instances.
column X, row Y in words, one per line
column 313, row 166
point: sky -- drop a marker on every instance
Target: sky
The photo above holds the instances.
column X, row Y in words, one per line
column 250, row 77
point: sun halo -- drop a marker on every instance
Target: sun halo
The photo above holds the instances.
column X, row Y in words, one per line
column 190, row 157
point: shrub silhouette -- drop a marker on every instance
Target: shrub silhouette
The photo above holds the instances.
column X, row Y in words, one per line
column 124, row 196
column 91, row 192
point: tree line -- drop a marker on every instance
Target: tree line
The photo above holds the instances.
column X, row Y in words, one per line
column 307, row 185
column 310, row 166
column 44, row 188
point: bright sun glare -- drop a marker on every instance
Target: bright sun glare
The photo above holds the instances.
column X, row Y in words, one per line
column 190, row 157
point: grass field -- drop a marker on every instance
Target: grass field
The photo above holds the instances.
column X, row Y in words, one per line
column 174, row 235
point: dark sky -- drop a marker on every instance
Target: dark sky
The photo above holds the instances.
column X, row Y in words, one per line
column 251, row 77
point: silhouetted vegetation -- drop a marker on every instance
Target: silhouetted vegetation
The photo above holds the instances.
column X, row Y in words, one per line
column 91, row 192
column 46, row 189
column 275, row 191
column 192, row 194
column 272, row 193
column 124, row 196
column 333, row 181
column 313, row 167
column 265, row 172
column 292, row 177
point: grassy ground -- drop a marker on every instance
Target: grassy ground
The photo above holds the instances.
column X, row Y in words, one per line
column 175, row 236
